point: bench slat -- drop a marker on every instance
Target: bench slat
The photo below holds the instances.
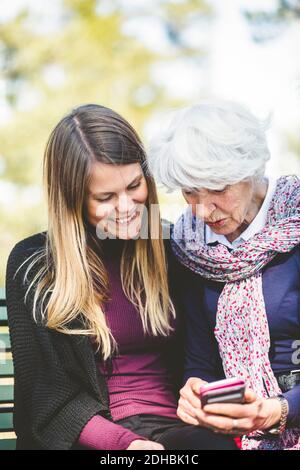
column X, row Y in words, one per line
column 7, row 368
column 6, row 421
column 8, row 441
column 6, row 393
column 6, row 407
column 8, row 444
column 7, row 436
column 4, row 340
column 3, row 313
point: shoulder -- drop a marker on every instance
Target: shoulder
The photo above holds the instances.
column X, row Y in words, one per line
column 18, row 278
column 29, row 244
column 24, row 249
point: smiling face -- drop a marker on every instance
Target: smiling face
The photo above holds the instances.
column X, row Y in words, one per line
column 116, row 198
column 229, row 211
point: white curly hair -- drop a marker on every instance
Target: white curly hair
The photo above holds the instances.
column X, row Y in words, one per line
column 211, row 145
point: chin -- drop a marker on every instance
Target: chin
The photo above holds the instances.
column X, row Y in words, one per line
column 224, row 230
column 123, row 236
column 132, row 232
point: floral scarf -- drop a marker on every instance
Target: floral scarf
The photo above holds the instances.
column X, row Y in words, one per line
column 242, row 330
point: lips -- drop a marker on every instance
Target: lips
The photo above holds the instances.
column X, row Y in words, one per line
column 125, row 220
column 218, row 223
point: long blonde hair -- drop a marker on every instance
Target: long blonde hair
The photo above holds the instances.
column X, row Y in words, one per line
column 72, row 282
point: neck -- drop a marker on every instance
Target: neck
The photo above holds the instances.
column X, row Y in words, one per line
column 107, row 248
column 112, row 248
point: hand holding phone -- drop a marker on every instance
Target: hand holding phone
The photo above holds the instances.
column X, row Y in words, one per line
column 223, row 391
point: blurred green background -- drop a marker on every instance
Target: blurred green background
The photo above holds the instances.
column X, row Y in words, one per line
column 142, row 58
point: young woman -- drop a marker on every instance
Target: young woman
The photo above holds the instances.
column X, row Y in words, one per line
column 95, row 337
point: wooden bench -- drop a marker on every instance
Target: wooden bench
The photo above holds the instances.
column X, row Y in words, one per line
column 7, row 435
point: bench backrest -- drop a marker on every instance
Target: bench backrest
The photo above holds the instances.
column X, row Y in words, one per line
column 7, row 435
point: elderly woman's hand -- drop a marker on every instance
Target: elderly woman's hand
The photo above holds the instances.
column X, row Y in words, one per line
column 238, row 419
column 189, row 401
column 227, row 418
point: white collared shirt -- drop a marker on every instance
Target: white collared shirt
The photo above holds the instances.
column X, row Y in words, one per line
column 256, row 225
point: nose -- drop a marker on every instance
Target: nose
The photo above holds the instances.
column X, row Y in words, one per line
column 203, row 211
column 125, row 204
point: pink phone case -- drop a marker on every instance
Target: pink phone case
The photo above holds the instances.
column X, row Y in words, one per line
column 223, row 391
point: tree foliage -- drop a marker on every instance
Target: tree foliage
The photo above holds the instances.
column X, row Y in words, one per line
column 84, row 56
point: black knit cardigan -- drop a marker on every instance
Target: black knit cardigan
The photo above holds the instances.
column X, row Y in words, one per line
column 58, row 386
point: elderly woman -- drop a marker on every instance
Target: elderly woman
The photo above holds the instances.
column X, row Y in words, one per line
column 240, row 240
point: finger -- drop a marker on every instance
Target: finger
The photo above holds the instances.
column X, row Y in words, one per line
column 186, row 417
column 250, row 395
column 156, row 446
column 201, row 416
column 225, row 425
column 245, row 425
column 196, row 385
column 191, row 396
column 229, row 409
column 218, row 423
column 187, row 407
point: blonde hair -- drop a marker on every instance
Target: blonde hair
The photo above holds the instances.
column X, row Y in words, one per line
column 71, row 283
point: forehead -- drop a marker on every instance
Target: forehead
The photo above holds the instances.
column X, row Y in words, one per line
column 232, row 188
column 111, row 178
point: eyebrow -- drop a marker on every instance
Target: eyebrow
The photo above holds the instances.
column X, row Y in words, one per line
column 191, row 189
column 196, row 190
column 135, row 180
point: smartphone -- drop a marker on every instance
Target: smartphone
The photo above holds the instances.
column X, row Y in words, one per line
column 223, row 391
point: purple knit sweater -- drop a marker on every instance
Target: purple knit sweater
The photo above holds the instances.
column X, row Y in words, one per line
column 139, row 382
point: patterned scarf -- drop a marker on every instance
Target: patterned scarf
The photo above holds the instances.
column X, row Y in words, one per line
column 242, row 330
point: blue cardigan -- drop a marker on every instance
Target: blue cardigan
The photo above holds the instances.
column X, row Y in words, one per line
column 281, row 289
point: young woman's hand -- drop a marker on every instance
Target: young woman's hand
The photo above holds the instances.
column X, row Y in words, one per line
column 189, row 401
column 140, row 444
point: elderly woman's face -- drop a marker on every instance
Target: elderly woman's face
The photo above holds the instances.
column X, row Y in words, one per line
column 228, row 210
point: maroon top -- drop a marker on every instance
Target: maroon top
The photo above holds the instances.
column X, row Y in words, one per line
column 139, row 382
